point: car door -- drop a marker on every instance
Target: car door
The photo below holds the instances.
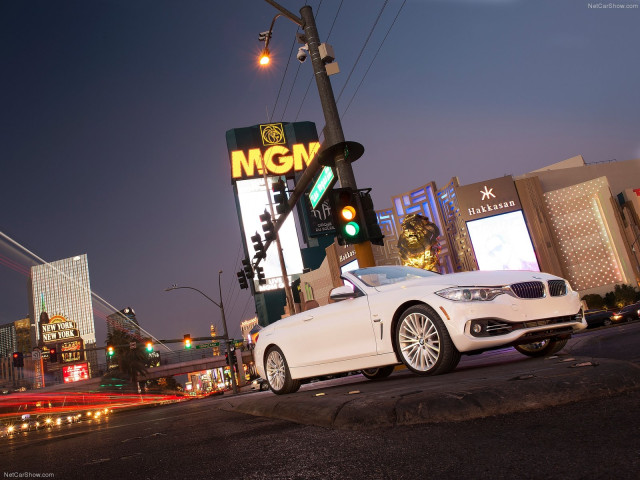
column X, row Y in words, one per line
column 331, row 333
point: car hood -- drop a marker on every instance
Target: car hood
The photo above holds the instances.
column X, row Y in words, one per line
column 476, row 278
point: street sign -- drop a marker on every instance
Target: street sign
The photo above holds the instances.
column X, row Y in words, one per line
column 323, row 183
column 208, row 345
column 36, row 354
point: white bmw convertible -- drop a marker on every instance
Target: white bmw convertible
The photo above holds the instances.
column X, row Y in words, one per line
column 388, row 315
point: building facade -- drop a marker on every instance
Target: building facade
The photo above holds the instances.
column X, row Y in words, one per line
column 571, row 219
column 63, row 288
column 8, row 340
column 124, row 320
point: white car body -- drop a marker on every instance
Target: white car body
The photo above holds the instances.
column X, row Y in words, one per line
column 357, row 333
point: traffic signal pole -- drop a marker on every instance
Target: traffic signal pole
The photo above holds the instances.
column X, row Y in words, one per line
column 283, row 267
column 333, row 132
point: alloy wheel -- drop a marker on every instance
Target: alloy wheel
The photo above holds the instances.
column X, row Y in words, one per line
column 275, row 370
column 419, row 341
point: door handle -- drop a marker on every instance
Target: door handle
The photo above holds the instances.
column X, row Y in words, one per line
column 306, row 319
column 376, row 320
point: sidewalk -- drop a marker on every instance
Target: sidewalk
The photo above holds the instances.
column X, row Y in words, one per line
column 465, row 394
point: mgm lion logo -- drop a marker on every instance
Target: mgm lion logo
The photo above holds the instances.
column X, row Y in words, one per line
column 272, row 134
column 418, row 244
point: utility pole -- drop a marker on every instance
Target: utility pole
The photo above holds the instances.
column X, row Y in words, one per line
column 333, row 133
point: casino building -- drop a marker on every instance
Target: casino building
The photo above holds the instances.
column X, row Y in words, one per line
column 61, row 310
column 572, row 219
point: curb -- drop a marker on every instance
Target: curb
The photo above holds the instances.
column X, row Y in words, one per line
column 457, row 396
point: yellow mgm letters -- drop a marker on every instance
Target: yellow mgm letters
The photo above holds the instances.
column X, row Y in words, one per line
column 277, row 159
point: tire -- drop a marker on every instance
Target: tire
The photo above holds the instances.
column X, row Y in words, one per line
column 543, row 348
column 278, row 374
column 423, row 343
column 378, row 373
column 607, row 322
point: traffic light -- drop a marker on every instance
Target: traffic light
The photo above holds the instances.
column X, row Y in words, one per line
column 260, row 274
column 53, row 355
column 267, row 227
column 248, row 270
column 374, row 233
column 110, row 351
column 280, row 196
column 187, row 341
column 149, row 346
column 18, row 360
column 242, row 279
column 347, row 216
column 258, row 246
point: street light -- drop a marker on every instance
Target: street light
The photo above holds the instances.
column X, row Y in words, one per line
column 220, row 305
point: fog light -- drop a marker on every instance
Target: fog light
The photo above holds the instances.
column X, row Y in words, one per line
column 477, row 328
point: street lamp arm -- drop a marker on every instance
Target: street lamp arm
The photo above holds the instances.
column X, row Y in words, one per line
column 199, row 291
column 286, row 13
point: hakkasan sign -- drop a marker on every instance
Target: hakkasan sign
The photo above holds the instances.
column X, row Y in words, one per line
column 282, row 148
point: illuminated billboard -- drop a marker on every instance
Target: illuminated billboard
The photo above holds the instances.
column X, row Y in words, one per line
column 502, row 242
column 253, row 200
column 282, row 148
column 75, row 373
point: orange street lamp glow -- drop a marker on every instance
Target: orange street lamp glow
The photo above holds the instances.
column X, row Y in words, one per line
column 264, row 57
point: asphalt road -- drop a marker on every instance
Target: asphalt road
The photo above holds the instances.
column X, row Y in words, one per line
column 592, row 439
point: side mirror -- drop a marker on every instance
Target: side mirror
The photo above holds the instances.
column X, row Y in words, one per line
column 342, row 293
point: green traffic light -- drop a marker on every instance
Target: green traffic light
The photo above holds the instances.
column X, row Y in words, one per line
column 351, row 229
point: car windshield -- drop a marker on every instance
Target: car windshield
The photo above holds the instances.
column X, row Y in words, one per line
column 379, row 276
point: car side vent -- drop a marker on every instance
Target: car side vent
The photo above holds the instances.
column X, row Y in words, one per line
column 557, row 288
column 528, row 289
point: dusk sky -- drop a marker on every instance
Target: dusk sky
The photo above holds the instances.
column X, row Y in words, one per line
column 114, row 112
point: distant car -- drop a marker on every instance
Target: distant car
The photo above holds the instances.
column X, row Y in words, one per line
column 260, row 384
column 627, row 313
column 387, row 315
column 598, row 317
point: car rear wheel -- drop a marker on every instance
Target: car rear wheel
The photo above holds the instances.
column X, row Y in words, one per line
column 378, row 373
column 423, row 343
column 543, row 348
column 278, row 374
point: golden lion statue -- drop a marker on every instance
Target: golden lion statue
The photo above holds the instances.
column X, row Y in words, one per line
column 418, row 244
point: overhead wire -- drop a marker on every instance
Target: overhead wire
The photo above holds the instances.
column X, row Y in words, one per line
column 374, row 57
column 362, row 50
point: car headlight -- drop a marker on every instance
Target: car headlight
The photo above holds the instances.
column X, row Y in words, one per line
column 470, row 294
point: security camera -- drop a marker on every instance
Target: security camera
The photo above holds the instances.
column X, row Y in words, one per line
column 303, row 53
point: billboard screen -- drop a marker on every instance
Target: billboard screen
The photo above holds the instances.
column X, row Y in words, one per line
column 253, row 200
column 74, row 373
column 502, row 242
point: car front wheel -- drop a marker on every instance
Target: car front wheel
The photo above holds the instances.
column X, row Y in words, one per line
column 278, row 374
column 542, row 348
column 423, row 342
column 378, row 373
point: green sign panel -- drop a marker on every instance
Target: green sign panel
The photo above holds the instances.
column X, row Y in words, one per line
column 321, row 186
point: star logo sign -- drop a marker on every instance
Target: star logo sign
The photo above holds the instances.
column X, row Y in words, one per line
column 487, row 193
